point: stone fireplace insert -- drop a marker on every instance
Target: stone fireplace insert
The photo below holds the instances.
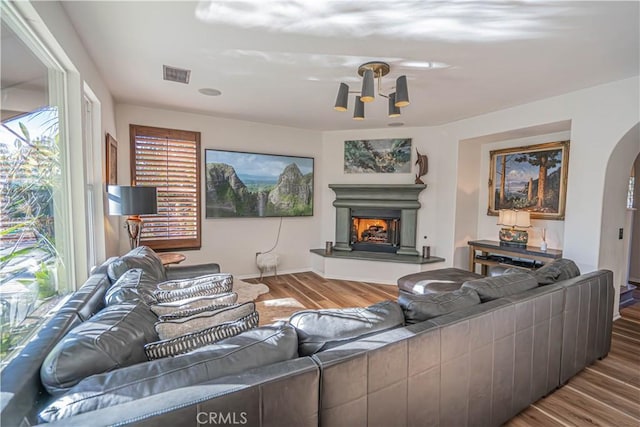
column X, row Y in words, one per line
column 377, row 217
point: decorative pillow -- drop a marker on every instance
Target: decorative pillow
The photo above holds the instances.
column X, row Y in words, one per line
column 490, row 288
column 186, row 343
column 321, row 329
column 113, row 338
column 132, row 287
column 211, row 284
column 258, row 347
column 141, row 257
column 418, row 308
column 186, row 325
column 184, row 305
column 555, row 271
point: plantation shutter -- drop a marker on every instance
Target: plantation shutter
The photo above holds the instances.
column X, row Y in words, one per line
column 168, row 159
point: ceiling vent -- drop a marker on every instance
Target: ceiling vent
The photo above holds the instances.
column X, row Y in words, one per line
column 173, row 74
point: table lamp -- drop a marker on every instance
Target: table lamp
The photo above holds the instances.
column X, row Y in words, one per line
column 132, row 201
column 509, row 235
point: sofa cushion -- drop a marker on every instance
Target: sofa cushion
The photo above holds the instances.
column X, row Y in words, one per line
column 189, row 342
column 258, row 347
column 211, row 284
column 141, row 257
column 491, row 288
column 322, row 329
column 419, row 283
column 185, row 325
column 418, row 308
column 555, row 271
column 89, row 299
column 134, row 286
column 191, row 306
column 113, row 338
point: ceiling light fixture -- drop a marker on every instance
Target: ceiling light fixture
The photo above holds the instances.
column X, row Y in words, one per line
column 370, row 72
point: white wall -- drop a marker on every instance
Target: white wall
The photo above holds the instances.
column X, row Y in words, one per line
column 634, row 261
column 233, row 242
column 59, row 26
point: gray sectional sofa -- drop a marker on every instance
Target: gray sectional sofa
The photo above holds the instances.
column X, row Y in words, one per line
column 476, row 365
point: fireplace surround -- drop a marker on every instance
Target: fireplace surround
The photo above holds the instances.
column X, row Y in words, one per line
column 393, row 206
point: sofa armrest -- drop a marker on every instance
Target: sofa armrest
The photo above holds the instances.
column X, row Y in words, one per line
column 189, row 271
column 285, row 393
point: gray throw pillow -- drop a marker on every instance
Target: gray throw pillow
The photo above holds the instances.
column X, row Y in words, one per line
column 189, row 342
column 211, row 284
column 555, row 271
column 490, row 288
column 183, row 306
column 322, row 329
column 258, row 347
column 113, row 338
column 185, row 325
column 418, row 308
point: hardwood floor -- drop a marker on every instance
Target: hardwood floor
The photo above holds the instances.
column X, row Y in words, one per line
column 606, row 393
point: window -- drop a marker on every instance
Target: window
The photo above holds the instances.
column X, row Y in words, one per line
column 632, row 184
column 36, row 245
column 169, row 159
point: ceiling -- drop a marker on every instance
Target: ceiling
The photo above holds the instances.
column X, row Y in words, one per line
column 280, row 62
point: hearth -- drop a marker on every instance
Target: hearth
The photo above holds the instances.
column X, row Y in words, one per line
column 377, row 217
column 375, row 230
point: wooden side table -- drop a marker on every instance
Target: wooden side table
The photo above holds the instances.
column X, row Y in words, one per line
column 490, row 247
column 171, row 257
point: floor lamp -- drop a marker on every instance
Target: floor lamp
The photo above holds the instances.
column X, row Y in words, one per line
column 132, row 201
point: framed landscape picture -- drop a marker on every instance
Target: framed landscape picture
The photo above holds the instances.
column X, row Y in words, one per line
column 377, row 156
column 112, row 160
column 531, row 178
column 241, row 184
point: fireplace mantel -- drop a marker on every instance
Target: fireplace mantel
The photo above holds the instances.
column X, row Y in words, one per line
column 381, row 196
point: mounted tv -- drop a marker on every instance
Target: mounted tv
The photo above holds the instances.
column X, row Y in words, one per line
column 242, row 184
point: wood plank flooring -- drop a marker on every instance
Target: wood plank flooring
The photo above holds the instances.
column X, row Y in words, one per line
column 606, row 393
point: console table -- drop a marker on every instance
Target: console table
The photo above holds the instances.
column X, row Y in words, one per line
column 494, row 253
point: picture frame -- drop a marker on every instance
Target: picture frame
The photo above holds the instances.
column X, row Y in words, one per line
column 515, row 175
column 111, row 160
column 390, row 155
column 249, row 184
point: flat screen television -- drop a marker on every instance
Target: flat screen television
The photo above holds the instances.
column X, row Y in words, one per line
column 244, row 184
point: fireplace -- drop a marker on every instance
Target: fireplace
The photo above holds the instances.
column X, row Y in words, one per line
column 375, row 230
column 377, row 218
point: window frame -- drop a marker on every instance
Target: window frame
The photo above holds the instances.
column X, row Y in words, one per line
column 172, row 243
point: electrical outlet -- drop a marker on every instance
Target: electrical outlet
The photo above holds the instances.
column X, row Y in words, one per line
column 619, row 233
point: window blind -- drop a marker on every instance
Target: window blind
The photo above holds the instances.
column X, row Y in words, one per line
column 168, row 159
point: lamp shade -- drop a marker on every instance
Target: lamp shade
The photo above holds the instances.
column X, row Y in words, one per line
column 512, row 218
column 125, row 200
column 402, row 92
column 393, row 110
column 367, row 94
column 358, row 111
column 343, row 98
column 523, row 219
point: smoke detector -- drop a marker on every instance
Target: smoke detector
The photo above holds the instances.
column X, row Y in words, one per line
column 174, row 74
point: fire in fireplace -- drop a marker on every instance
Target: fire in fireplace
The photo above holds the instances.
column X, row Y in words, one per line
column 375, row 230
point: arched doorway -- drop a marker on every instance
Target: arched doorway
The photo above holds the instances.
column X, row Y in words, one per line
column 613, row 253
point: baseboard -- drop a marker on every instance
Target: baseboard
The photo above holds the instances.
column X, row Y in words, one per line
column 270, row 274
